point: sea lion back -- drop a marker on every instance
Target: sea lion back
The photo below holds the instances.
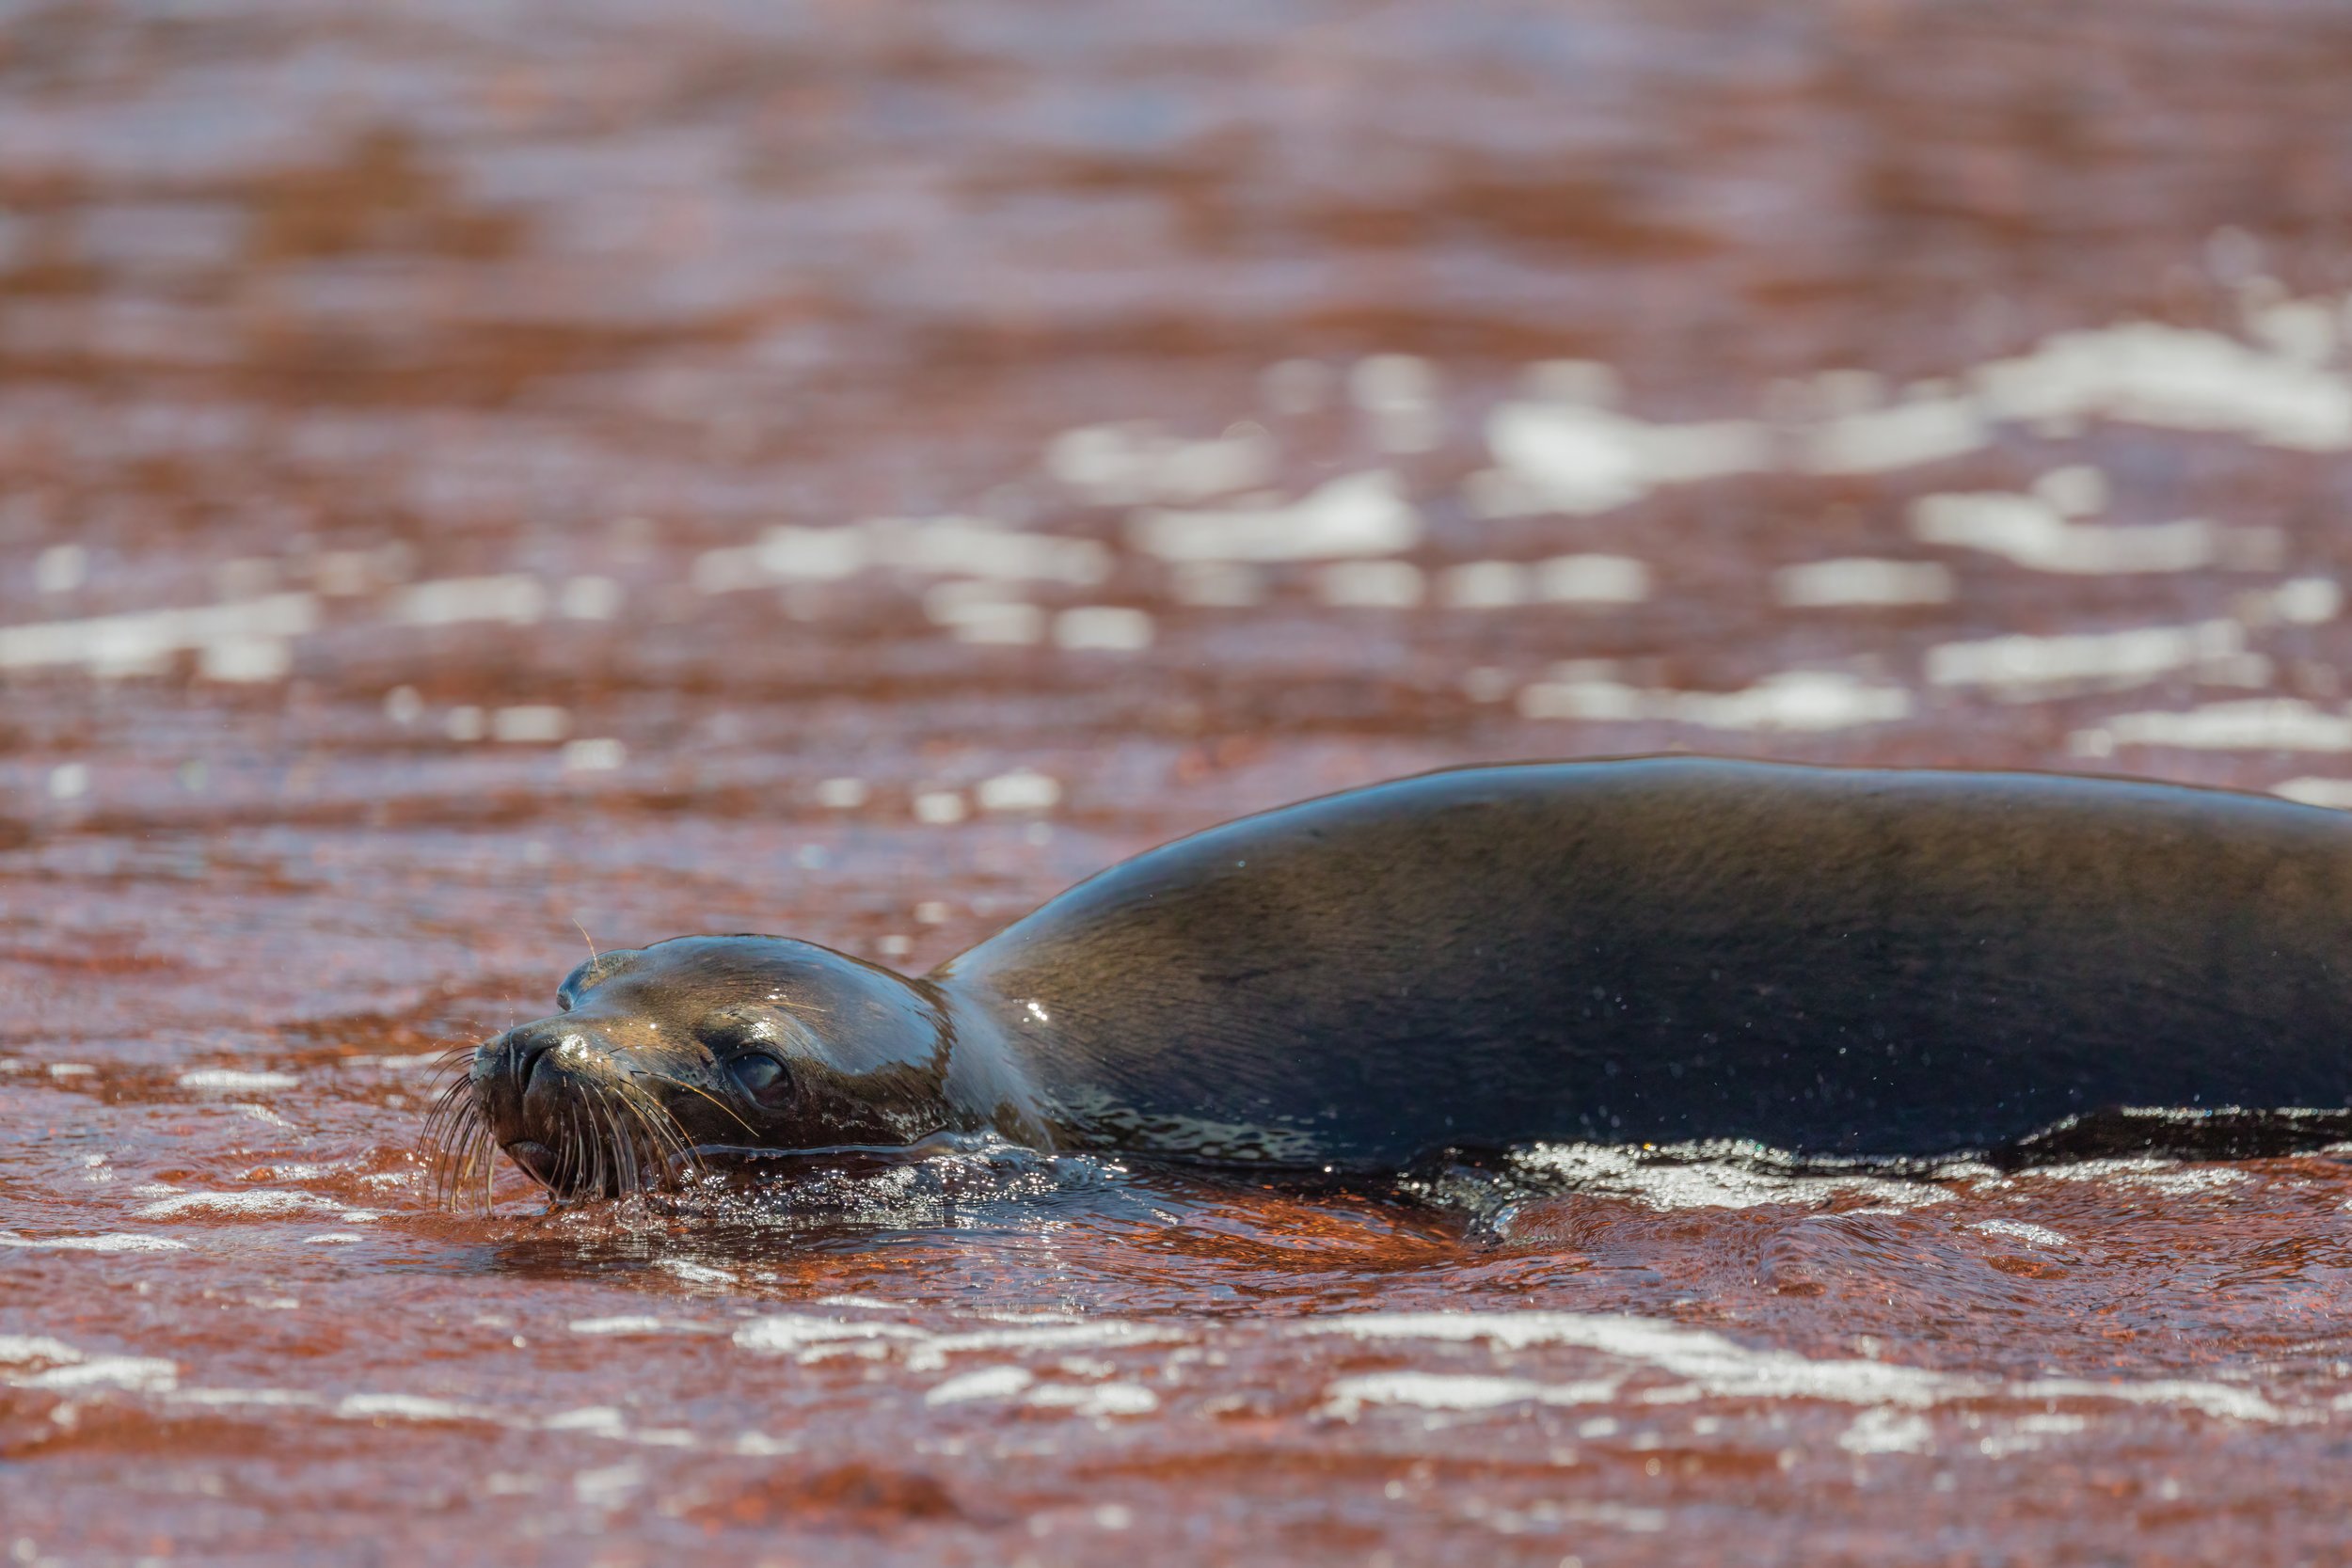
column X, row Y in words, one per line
column 1823, row 960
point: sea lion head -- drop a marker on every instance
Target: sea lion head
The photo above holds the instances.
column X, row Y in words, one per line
column 660, row 1056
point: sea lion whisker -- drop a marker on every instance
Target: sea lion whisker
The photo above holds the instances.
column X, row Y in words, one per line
column 662, row 1127
column 624, row 1154
column 445, row 1102
column 563, row 1168
column 608, row 1141
column 670, row 1139
column 657, row 1146
column 481, row 1161
column 592, row 1151
column 441, row 1142
column 448, row 1070
column 608, row 1152
column 681, row 1084
column 625, row 1117
column 649, row 1117
column 591, row 1182
column 453, row 1155
column 447, row 1127
column 656, row 1159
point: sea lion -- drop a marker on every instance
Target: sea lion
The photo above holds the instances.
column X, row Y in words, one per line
column 1834, row 963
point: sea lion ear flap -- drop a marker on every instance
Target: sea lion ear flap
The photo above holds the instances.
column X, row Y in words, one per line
column 588, row 973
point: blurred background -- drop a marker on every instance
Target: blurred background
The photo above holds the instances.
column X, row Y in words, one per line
column 837, row 430
column 509, row 416
column 481, row 475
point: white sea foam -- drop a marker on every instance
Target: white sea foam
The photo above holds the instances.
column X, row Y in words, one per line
column 984, row 612
column 1346, row 1397
column 143, row 641
column 2212, row 1399
column 2148, row 1173
column 600, row 754
column 989, row 1383
column 2256, row 724
column 814, row 1337
column 1887, row 1432
column 1710, row 1183
column 141, row 1373
column 2335, row 794
column 1714, row 1364
column 237, row 1080
column 2303, row 602
column 409, row 1407
column 1133, row 464
column 1358, row 515
column 603, row 1420
column 1901, row 436
column 2141, row 373
column 2023, row 667
column 117, row 1242
column 1795, row 700
column 529, row 724
column 795, row 554
column 2029, row 531
column 1103, row 1334
column 2038, row 1235
column 515, row 599
column 1105, row 1398
column 1583, row 458
column 234, row 1398
column 637, row 1324
column 787, row 1333
column 607, row 1486
column 1023, row 789
column 842, row 794
column 1718, row 1367
column 1859, row 580
column 960, row 547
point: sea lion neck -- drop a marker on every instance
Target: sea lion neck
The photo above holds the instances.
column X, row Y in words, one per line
column 988, row 1081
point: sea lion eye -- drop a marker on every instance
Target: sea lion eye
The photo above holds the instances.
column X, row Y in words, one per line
column 763, row 1077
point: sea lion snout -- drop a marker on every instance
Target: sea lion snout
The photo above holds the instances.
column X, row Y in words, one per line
column 577, row 1110
column 524, row 1078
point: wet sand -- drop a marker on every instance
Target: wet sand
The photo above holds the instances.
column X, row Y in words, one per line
column 479, row 481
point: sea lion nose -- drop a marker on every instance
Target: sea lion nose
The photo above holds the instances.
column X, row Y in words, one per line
column 524, row 1057
column 522, row 1054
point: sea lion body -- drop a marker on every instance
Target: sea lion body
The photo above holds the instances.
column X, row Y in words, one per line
column 1828, row 962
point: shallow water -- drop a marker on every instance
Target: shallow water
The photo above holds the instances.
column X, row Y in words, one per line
column 476, row 481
